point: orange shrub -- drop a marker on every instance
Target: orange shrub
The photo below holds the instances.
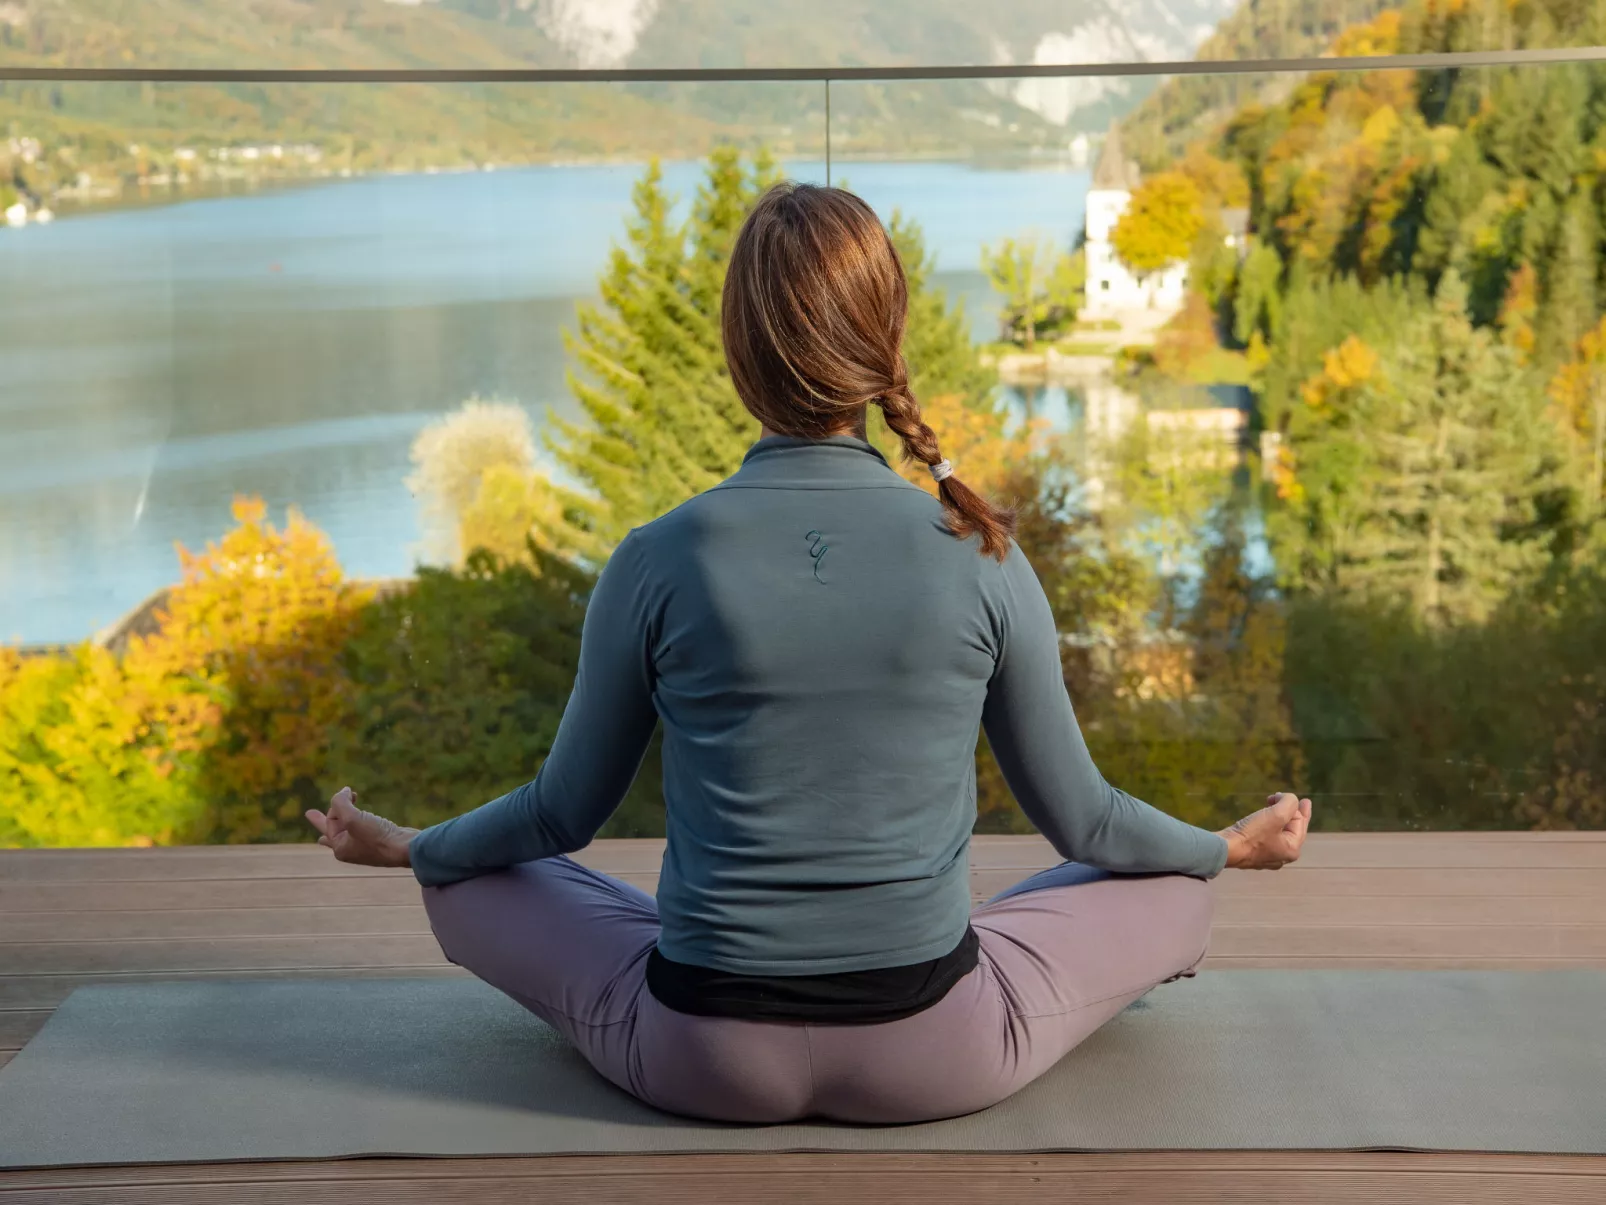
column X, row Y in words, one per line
column 250, row 641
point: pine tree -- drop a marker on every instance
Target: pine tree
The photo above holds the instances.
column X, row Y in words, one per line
column 1455, row 190
column 1567, row 302
column 1257, row 301
column 663, row 420
column 1448, row 455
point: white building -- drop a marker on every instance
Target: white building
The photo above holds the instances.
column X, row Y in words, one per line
column 1113, row 289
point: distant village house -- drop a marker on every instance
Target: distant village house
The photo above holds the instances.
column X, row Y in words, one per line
column 1113, row 289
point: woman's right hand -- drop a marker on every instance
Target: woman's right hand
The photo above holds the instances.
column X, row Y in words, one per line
column 1270, row 838
column 359, row 837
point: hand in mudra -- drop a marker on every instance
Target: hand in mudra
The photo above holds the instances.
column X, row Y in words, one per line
column 359, row 837
column 1270, row 838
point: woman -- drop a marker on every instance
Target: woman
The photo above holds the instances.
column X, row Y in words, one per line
column 821, row 640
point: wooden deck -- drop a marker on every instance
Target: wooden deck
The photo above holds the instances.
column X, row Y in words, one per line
column 72, row 917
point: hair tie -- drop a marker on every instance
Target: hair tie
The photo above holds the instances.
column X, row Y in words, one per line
column 942, row 470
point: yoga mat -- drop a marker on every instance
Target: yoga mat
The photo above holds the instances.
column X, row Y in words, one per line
column 261, row 1070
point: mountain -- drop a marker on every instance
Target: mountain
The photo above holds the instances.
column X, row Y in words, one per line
column 751, row 33
column 392, row 126
column 723, row 33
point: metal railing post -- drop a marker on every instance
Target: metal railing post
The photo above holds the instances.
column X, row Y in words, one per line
column 828, row 131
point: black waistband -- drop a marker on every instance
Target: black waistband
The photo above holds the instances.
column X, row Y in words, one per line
column 843, row 997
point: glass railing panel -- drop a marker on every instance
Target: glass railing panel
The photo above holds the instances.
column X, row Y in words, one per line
column 1182, row 332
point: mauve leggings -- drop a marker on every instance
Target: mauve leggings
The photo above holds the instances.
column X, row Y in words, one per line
column 1061, row 953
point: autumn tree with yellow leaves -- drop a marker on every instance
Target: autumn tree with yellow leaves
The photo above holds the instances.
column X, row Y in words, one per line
column 1160, row 222
column 249, row 643
column 84, row 758
column 215, row 726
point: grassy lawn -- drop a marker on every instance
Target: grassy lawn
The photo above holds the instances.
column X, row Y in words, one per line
column 1221, row 367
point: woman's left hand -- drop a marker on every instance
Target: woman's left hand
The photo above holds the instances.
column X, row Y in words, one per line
column 359, row 837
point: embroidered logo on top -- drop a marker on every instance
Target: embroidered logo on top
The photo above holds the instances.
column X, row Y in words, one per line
column 817, row 550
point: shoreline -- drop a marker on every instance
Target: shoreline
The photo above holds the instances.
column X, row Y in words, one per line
column 139, row 197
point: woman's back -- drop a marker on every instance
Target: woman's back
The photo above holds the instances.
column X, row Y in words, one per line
column 821, row 647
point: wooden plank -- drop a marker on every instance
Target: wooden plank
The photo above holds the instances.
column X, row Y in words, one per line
column 259, row 952
column 1296, row 913
column 1123, row 1188
column 290, row 860
column 1309, row 883
column 213, row 862
column 47, row 991
column 216, row 954
column 1365, row 850
column 413, row 945
column 1301, row 911
column 338, row 890
column 556, row 1167
column 133, row 925
column 1033, row 844
column 335, row 891
column 1293, row 1178
column 17, row 1025
column 1411, row 941
column 1027, row 853
column 647, row 850
column 1343, row 884
column 243, row 892
column 1297, row 882
column 1421, row 851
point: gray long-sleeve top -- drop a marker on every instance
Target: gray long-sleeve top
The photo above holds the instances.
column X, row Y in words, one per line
column 821, row 652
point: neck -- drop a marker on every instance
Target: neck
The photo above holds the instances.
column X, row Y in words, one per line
column 855, row 429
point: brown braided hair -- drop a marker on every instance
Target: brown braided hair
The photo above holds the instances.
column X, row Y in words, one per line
column 813, row 316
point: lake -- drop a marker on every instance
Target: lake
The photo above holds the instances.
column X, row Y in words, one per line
column 156, row 362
